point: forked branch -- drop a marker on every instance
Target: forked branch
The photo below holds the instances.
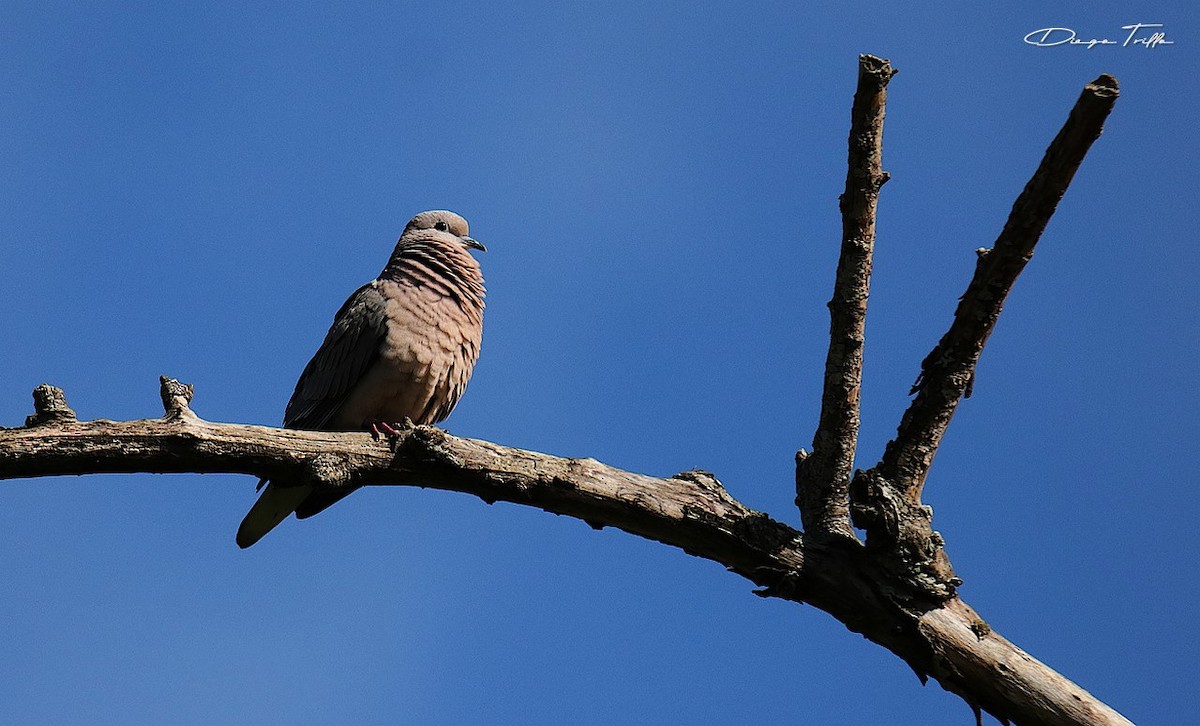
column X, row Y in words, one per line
column 898, row 589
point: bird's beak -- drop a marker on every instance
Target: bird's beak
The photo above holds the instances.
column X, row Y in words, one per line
column 473, row 244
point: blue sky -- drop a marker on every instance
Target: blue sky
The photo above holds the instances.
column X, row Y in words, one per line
column 193, row 190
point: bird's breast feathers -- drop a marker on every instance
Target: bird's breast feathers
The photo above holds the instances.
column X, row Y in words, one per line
column 424, row 363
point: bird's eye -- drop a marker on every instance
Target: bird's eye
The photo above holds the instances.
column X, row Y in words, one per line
column 441, row 227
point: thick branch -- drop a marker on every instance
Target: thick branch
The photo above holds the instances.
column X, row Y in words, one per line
column 948, row 372
column 898, row 589
column 967, row 646
column 690, row 510
column 823, row 477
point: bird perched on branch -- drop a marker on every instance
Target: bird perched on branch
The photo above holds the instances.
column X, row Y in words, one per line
column 402, row 347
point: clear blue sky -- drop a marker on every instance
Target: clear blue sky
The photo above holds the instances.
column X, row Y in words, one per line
column 193, row 189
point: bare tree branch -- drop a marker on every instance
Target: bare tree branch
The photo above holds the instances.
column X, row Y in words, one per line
column 686, row 510
column 823, row 477
column 970, row 649
column 897, row 589
column 886, row 500
column 690, row 510
column 948, row 372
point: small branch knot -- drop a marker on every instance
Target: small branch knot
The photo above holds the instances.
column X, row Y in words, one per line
column 899, row 532
column 49, row 407
column 175, row 398
column 425, row 444
column 704, row 479
column 780, row 583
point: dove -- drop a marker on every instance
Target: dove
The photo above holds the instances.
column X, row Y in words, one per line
column 403, row 346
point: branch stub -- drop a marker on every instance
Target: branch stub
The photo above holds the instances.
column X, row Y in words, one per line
column 49, row 407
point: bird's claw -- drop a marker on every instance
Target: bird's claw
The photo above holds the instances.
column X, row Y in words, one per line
column 380, row 429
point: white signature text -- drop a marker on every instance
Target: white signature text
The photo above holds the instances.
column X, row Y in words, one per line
column 1140, row 34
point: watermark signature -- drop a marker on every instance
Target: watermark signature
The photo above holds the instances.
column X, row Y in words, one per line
column 1145, row 35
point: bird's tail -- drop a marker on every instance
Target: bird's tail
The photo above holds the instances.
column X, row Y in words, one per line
column 273, row 506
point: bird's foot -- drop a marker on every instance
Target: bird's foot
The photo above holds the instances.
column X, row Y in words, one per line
column 379, row 429
column 392, row 431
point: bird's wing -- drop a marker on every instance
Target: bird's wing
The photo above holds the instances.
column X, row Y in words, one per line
column 350, row 348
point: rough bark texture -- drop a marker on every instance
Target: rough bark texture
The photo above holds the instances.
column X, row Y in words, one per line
column 948, row 372
column 886, row 499
column 690, row 510
column 823, row 477
column 897, row 588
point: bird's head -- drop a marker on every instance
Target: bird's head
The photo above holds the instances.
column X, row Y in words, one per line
column 440, row 223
